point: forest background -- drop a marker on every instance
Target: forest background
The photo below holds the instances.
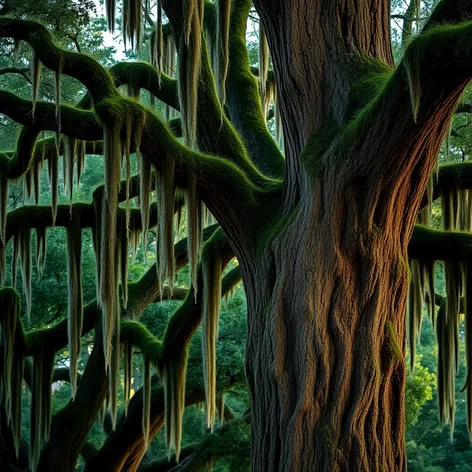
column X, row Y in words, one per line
column 80, row 26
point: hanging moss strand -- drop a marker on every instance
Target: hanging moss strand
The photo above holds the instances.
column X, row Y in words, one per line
column 74, row 324
column 212, row 271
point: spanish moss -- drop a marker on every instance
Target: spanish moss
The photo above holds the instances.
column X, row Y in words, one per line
column 14, row 259
column 421, row 290
column 80, row 151
column 25, row 257
column 158, row 43
column 169, row 68
column 114, row 377
column 263, row 64
column 173, row 375
column 10, row 303
column 446, row 387
column 36, row 410
column 108, row 254
column 14, row 407
column 418, row 12
column 57, row 84
column 110, row 14
column 212, row 269
column 36, row 73
column 128, row 373
column 70, row 152
column 223, row 23
column 146, row 400
column 145, row 186
column 189, row 73
column 53, row 173
column 194, row 224
column 165, row 205
column 16, row 48
column 41, row 244
column 132, row 22
column 122, row 242
column 221, row 408
column 411, row 65
column 4, row 196
column 74, row 324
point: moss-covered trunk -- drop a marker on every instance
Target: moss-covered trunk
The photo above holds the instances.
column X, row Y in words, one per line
column 325, row 354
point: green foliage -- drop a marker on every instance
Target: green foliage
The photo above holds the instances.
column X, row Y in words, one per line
column 419, row 390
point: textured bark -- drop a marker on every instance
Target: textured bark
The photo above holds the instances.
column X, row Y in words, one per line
column 327, row 293
column 325, row 351
column 314, row 48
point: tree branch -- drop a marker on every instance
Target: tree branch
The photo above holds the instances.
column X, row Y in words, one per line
column 427, row 243
column 14, row 70
column 82, row 67
column 243, row 99
column 126, row 444
column 231, row 439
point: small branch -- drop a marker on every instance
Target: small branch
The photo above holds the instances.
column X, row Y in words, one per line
column 74, row 39
column 14, row 70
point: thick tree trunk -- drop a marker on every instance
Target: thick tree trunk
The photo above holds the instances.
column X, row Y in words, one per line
column 325, row 353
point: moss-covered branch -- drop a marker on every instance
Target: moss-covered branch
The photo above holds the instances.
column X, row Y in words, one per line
column 215, row 134
column 80, row 124
column 243, row 99
column 230, row 440
column 141, row 75
column 80, row 66
column 457, row 176
column 427, row 243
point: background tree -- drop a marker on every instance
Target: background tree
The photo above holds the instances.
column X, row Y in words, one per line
column 321, row 231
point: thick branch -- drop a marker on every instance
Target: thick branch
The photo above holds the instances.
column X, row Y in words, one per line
column 80, row 124
column 243, row 99
column 82, row 67
column 427, row 243
column 457, row 176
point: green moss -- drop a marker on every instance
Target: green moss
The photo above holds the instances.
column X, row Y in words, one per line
column 243, row 89
column 317, row 145
column 329, row 440
column 368, row 86
column 138, row 335
column 276, row 228
column 392, row 347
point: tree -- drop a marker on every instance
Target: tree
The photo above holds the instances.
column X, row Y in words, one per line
column 321, row 232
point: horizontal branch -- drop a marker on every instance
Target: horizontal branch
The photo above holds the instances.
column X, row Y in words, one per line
column 14, row 70
column 453, row 177
column 80, row 66
column 427, row 243
column 74, row 122
column 142, row 75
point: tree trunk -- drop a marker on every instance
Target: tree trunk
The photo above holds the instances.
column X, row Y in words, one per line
column 326, row 345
